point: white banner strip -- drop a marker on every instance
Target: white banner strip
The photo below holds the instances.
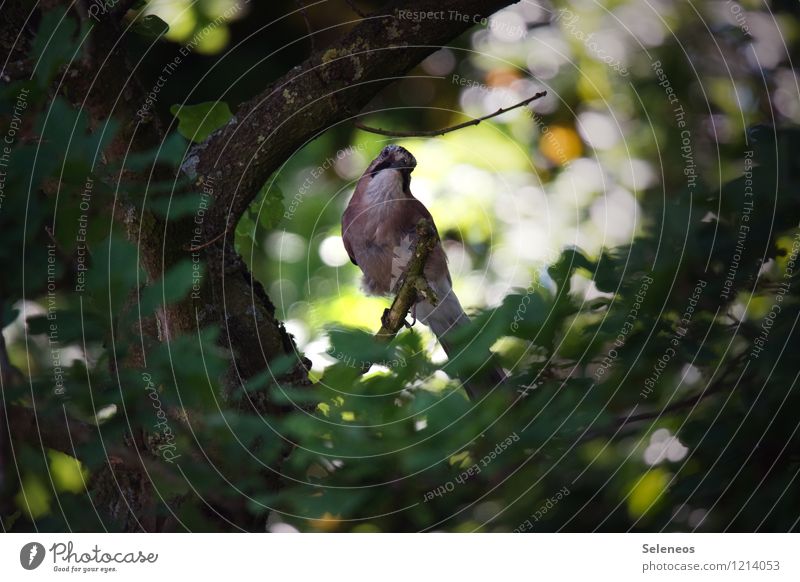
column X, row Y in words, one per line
column 401, row 557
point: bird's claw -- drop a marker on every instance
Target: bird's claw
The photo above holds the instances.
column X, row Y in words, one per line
column 413, row 317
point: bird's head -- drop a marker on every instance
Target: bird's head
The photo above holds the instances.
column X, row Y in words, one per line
column 395, row 159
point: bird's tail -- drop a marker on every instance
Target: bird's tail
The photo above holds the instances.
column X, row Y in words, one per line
column 446, row 316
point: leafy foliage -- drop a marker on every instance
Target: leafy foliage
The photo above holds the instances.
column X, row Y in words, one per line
column 197, row 122
column 651, row 382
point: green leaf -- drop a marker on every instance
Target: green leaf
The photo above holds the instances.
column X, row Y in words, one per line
column 197, row 122
column 113, row 274
column 646, row 492
column 570, row 260
column 8, row 315
column 356, row 347
column 151, row 26
column 245, row 232
column 270, row 211
column 54, row 43
column 72, row 325
column 172, row 287
column 175, row 206
column 189, row 366
column 170, row 152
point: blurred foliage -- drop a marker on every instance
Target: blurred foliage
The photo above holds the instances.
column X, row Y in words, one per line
column 593, row 237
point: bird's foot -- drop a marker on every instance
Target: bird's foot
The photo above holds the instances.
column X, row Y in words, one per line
column 413, row 317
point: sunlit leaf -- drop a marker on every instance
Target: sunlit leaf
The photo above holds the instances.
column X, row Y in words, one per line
column 197, row 122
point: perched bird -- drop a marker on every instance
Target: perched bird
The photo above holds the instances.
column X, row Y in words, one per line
column 378, row 230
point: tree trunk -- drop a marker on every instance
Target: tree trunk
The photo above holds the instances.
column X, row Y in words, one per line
column 331, row 86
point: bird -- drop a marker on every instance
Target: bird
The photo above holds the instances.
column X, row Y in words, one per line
column 378, row 231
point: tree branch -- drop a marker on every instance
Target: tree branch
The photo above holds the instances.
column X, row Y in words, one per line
column 304, row 14
column 412, row 285
column 623, row 422
column 437, row 132
column 356, row 9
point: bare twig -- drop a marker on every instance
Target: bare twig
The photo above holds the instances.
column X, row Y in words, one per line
column 623, row 422
column 674, row 407
column 356, row 9
column 303, row 9
column 437, row 132
column 207, row 243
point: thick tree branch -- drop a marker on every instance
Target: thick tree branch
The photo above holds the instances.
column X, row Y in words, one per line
column 437, row 132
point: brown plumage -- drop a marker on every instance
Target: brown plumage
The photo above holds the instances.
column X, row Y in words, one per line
column 378, row 230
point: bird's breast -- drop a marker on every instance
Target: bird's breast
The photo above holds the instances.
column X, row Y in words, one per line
column 382, row 253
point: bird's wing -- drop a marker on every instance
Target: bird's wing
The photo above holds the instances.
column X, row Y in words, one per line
column 415, row 211
column 348, row 246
